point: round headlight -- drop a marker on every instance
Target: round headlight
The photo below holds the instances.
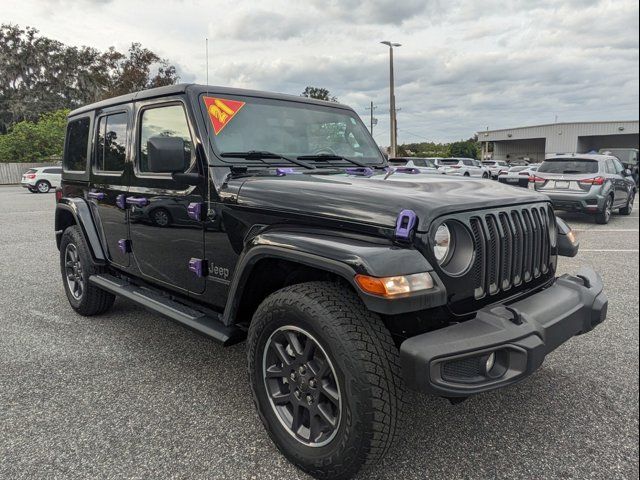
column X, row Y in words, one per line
column 442, row 243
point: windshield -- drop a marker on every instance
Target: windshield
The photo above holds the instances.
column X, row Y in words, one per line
column 568, row 166
column 288, row 128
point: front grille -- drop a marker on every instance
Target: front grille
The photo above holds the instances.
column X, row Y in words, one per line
column 512, row 247
column 466, row 369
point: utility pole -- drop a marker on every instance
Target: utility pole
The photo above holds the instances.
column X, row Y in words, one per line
column 371, row 108
column 392, row 101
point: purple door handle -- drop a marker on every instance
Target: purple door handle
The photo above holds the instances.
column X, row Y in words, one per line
column 96, row 195
column 138, row 201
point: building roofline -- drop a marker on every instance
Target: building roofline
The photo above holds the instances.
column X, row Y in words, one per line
column 479, row 132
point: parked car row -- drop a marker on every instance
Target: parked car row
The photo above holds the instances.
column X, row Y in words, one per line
column 461, row 167
column 595, row 184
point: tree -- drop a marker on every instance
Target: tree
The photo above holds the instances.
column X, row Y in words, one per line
column 29, row 141
column 38, row 74
column 319, row 94
column 466, row 149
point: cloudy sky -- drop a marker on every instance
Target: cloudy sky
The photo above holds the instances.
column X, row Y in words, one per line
column 463, row 65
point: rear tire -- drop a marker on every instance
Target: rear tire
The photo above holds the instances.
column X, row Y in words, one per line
column 43, row 186
column 364, row 378
column 626, row 210
column 603, row 217
column 76, row 266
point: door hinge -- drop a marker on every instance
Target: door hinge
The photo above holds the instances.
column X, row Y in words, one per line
column 196, row 210
column 124, row 245
column 121, row 201
column 199, row 266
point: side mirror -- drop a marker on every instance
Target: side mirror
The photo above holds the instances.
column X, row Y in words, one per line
column 166, row 155
column 568, row 245
column 626, row 172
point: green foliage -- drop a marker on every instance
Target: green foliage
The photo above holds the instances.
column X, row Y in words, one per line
column 38, row 74
column 319, row 94
column 29, row 141
column 467, row 149
column 422, row 149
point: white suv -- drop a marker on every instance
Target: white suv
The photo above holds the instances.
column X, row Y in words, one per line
column 496, row 167
column 41, row 179
column 464, row 167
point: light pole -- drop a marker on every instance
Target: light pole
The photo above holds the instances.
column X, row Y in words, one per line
column 392, row 101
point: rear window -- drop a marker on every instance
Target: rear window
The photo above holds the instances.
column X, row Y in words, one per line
column 490, row 164
column 31, row 170
column 77, row 145
column 448, row 161
column 517, row 169
column 568, row 166
column 397, row 161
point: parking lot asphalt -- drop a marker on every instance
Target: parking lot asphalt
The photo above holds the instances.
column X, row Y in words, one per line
column 132, row 395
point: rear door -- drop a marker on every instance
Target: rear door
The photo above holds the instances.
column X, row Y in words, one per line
column 110, row 173
column 163, row 236
column 621, row 184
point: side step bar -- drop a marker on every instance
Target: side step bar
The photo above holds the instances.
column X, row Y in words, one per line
column 199, row 321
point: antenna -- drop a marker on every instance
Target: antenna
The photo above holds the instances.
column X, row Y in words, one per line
column 209, row 179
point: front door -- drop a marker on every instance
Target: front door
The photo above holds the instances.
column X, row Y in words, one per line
column 165, row 240
column 110, row 182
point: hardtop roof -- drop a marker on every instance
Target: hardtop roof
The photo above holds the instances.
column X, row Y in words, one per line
column 198, row 89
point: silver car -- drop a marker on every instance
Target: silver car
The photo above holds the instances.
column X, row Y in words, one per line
column 496, row 167
column 588, row 183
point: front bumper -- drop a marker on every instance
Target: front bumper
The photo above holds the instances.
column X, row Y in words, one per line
column 451, row 362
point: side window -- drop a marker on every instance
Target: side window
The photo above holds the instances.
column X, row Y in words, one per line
column 618, row 166
column 167, row 121
column 468, row 163
column 111, row 146
column 418, row 162
column 76, row 145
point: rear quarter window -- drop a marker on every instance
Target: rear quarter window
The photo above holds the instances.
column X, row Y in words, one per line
column 569, row 166
column 77, row 145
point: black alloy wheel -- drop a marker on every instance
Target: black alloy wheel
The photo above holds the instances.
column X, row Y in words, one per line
column 301, row 383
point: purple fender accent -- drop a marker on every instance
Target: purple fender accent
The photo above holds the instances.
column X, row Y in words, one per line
column 407, row 220
column 362, row 171
column 124, row 245
column 198, row 266
column 121, row 201
column 194, row 211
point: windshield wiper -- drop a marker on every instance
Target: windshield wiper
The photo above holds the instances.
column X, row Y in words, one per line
column 262, row 155
column 331, row 156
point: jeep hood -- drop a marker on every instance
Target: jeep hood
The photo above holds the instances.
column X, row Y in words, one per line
column 378, row 199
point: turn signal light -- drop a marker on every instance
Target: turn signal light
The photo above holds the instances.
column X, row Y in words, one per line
column 398, row 285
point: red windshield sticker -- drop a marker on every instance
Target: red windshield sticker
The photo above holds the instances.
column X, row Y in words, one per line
column 221, row 111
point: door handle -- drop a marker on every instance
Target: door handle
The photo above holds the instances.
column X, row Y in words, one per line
column 137, row 201
column 96, row 195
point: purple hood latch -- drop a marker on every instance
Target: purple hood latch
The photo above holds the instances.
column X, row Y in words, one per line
column 406, row 222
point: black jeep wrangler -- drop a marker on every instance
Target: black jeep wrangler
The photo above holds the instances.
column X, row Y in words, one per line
column 274, row 218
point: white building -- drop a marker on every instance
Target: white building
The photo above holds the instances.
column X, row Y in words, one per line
column 533, row 143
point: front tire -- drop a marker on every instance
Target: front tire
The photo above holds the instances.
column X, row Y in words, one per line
column 76, row 266
column 336, row 409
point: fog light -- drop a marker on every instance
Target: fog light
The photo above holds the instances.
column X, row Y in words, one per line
column 489, row 363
